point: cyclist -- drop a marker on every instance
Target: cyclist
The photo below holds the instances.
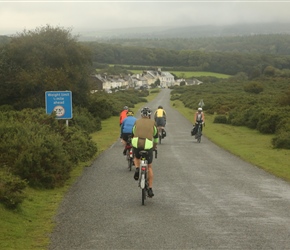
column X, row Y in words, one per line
column 160, row 119
column 199, row 117
column 123, row 114
column 145, row 138
column 127, row 127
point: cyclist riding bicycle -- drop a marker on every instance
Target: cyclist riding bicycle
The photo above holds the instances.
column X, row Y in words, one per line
column 199, row 118
column 145, row 138
column 127, row 128
column 160, row 120
column 123, row 114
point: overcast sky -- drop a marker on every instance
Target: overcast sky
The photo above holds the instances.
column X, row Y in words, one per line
column 15, row 16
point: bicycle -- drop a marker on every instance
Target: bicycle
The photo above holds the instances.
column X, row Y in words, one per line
column 198, row 133
column 143, row 174
column 129, row 153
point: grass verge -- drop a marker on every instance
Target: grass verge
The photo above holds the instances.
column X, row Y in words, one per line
column 248, row 144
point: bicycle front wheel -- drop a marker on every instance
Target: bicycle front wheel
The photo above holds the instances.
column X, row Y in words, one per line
column 199, row 139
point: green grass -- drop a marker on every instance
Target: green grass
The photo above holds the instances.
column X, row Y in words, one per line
column 28, row 228
column 180, row 74
column 185, row 74
column 248, row 144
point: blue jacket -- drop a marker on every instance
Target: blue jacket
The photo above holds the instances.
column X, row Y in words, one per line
column 127, row 124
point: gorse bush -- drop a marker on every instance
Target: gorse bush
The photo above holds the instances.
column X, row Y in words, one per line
column 254, row 87
column 43, row 162
column 220, row 119
column 12, row 189
column 84, row 120
column 78, row 145
column 40, row 149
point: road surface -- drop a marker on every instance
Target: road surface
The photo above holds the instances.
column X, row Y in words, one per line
column 205, row 198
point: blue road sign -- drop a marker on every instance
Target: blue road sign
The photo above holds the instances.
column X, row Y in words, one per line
column 59, row 102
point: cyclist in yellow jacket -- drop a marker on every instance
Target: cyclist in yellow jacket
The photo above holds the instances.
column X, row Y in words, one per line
column 160, row 119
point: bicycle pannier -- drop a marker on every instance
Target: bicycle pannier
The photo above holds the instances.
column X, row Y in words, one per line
column 163, row 133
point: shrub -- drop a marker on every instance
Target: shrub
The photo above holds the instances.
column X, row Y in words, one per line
column 268, row 120
column 282, row 140
column 220, row 119
column 43, row 162
column 78, row 145
column 253, row 87
column 236, row 118
column 42, row 151
column 83, row 119
column 11, row 189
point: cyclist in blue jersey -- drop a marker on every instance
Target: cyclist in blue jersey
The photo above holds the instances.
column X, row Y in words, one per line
column 127, row 128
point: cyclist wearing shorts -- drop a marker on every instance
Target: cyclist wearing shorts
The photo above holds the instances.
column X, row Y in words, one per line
column 127, row 128
column 145, row 138
column 160, row 118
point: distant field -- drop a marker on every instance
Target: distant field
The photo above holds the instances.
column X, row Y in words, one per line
column 184, row 74
column 198, row 74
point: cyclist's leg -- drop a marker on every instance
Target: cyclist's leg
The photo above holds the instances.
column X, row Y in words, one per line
column 137, row 162
column 150, row 169
column 125, row 139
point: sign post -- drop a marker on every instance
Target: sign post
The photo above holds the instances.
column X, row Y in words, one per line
column 59, row 102
column 201, row 103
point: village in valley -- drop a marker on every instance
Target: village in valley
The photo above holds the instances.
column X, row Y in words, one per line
column 144, row 80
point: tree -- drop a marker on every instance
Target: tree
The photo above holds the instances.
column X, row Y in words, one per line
column 44, row 59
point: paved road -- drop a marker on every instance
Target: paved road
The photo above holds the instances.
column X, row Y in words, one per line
column 205, row 198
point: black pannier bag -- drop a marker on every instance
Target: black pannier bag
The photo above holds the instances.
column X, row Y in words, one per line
column 163, row 133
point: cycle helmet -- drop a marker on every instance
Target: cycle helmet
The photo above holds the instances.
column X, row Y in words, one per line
column 125, row 107
column 160, row 107
column 145, row 112
column 199, row 109
column 130, row 112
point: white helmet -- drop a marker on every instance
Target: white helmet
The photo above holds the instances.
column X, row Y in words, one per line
column 199, row 109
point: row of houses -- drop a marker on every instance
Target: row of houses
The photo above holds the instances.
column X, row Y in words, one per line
column 143, row 80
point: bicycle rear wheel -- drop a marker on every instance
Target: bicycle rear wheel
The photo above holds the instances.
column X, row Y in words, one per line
column 143, row 195
column 130, row 163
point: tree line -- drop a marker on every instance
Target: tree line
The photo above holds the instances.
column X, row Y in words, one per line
column 232, row 63
column 274, row 44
